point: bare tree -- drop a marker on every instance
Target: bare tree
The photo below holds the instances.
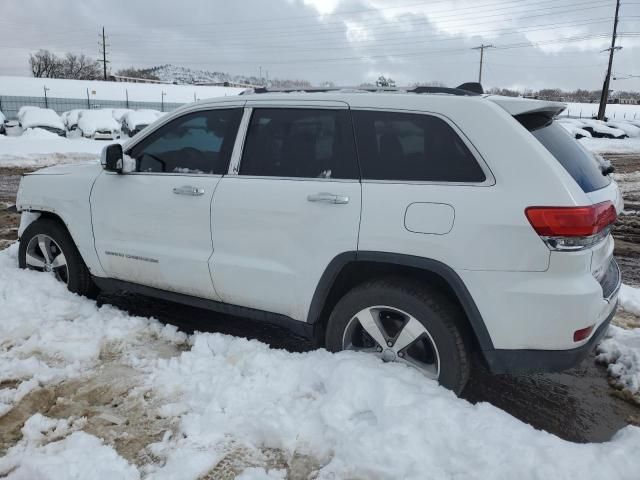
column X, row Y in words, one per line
column 80, row 67
column 43, row 63
column 385, row 82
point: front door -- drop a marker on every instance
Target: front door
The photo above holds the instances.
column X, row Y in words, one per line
column 293, row 205
column 153, row 226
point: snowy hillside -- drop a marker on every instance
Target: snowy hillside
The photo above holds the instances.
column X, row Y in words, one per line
column 184, row 75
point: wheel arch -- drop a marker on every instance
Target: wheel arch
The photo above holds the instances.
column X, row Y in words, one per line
column 87, row 252
column 349, row 269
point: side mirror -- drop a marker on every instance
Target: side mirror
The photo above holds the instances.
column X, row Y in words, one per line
column 112, row 158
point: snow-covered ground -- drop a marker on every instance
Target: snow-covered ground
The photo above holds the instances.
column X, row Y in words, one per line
column 40, row 148
column 613, row 111
column 98, row 90
column 221, row 404
column 621, row 349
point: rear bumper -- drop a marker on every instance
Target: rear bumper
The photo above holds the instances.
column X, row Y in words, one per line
column 518, row 361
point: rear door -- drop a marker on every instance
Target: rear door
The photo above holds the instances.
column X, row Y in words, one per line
column 290, row 206
column 153, row 226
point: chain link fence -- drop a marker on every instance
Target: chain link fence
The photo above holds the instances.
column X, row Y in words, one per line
column 9, row 105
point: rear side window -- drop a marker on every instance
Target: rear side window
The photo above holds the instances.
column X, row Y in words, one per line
column 412, row 147
column 304, row 143
column 581, row 164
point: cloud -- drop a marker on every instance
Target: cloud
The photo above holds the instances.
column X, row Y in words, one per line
column 346, row 41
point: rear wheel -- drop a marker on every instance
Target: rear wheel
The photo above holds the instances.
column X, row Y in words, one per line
column 403, row 321
column 46, row 246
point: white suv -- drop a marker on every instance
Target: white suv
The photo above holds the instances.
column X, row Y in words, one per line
column 419, row 227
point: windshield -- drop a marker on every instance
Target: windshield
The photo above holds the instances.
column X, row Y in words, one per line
column 581, row 164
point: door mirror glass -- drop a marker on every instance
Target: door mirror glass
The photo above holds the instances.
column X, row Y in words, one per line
column 112, row 158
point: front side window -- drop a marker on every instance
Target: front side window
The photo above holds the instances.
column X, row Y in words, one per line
column 308, row 143
column 412, row 147
column 199, row 142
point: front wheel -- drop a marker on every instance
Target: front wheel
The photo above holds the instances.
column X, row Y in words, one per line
column 46, row 246
column 404, row 321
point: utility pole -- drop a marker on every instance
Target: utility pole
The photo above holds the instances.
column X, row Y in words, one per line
column 481, row 48
column 104, row 61
column 607, row 79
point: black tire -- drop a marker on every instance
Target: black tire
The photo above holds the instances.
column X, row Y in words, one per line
column 79, row 279
column 442, row 318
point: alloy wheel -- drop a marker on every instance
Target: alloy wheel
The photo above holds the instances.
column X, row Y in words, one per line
column 394, row 336
column 45, row 255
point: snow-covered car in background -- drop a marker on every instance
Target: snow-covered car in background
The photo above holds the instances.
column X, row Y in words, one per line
column 98, row 124
column 118, row 113
column 599, row 129
column 44, row 118
column 628, row 128
column 3, row 120
column 134, row 121
column 574, row 128
column 70, row 119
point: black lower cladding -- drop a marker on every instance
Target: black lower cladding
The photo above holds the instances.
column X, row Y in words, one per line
column 299, row 328
column 521, row 361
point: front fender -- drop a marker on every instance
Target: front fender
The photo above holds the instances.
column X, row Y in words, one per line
column 63, row 192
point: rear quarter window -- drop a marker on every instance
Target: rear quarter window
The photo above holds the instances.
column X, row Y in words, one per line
column 578, row 161
column 412, row 147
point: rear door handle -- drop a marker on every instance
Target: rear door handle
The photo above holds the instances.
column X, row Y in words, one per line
column 325, row 197
column 189, row 190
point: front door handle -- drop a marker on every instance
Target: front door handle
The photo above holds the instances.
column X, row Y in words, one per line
column 325, row 197
column 189, row 190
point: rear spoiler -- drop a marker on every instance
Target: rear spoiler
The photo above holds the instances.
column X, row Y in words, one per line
column 517, row 106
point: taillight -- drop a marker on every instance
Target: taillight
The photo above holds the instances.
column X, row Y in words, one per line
column 572, row 228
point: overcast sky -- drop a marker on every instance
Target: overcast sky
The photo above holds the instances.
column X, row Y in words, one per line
column 538, row 43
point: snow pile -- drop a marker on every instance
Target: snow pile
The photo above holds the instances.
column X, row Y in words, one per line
column 629, row 299
column 139, row 118
column 40, row 117
column 348, row 415
column 55, row 453
column 92, row 121
column 33, row 149
column 49, row 334
column 621, row 351
column 39, row 134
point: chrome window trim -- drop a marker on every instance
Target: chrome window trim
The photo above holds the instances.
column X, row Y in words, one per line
column 297, row 179
column 238, row 146
column 489, row 177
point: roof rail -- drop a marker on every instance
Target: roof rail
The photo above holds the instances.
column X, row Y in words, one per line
column 466, row 89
